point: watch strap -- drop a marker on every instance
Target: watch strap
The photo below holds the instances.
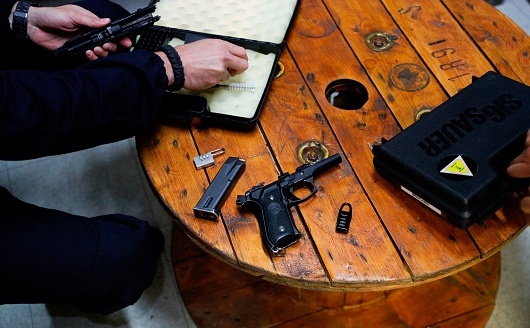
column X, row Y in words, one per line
column 19, row 25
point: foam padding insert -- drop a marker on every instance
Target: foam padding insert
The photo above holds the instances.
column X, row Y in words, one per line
column 261, row 20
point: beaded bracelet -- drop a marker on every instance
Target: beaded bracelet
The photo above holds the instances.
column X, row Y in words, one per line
column 176, row 64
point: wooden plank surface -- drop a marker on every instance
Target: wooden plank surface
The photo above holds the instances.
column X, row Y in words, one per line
column 506, row 45
column 366, row 251
column 409, row 223
column 440, row 41
column 399, row 73
column 394, row 241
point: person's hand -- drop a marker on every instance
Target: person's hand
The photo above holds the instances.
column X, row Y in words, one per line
column 520, row 168
column 51, row 27
column 524, row 204
column 207, row 62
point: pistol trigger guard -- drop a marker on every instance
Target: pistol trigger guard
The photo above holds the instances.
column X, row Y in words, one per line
column 314, row 190
column 293, row 199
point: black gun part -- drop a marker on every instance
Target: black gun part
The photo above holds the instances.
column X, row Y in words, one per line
column 344, row 218
column 127, row 26
column 271, row 204
column 210, row 203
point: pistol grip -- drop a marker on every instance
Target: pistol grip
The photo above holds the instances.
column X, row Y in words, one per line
column 276, row 221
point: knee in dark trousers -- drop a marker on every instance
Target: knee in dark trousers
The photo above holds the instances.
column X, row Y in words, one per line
column 99, row 264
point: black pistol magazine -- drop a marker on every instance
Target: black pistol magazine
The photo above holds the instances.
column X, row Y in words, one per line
column 127, row 26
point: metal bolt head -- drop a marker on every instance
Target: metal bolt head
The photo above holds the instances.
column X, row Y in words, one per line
column 379, row 41
column 311, row 152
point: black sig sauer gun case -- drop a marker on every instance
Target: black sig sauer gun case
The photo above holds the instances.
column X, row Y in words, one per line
column 454, row 159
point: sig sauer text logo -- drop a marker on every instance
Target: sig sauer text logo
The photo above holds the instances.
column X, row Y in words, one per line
column 467, row 121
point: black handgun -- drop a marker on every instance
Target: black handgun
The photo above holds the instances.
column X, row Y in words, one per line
column 117, row 29
column 272, row 203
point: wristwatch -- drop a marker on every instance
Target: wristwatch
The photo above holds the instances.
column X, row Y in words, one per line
column 20, row 19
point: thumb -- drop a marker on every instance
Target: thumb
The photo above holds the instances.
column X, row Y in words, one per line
column 96, row 22
column 79, row 16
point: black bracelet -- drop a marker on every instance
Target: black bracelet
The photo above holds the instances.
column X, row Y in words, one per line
column 176, row 64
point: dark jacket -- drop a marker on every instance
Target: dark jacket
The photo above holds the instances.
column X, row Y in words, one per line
column 46, row 109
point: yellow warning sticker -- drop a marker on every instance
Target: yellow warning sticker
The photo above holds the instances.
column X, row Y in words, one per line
column 457, row 167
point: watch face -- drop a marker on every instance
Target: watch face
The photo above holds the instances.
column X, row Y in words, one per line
column 20, row 14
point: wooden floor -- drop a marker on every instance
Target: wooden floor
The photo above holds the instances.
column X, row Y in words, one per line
column 219, row 295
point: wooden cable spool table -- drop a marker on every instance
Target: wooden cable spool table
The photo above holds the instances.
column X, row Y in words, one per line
column 400, row 264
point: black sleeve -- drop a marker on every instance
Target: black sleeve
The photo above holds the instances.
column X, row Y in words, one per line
column 110, row 99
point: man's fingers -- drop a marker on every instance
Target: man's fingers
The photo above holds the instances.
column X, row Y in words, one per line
column 99, row 22
column 525, row 205
column 109, row 46
column 125, row 42
column 237, row 65
column 238, row 51
column 225, row 77
column 238, row 62
column 519, row 170
column 91, row 55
